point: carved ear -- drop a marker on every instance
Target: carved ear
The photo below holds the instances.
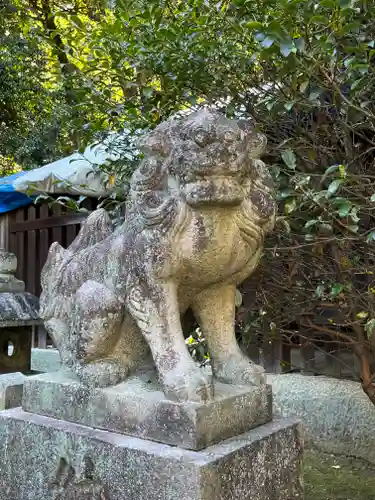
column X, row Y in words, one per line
column 55, row 258
column 96, row 228
column 156, row 143
column 159, row 142
column 262, row 176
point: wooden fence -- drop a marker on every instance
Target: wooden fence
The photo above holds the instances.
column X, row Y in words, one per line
column 33, row 229
column 312, row 358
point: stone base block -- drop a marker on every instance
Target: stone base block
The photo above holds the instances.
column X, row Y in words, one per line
column 45, row 360
column 48, row 459
column 11, row 386
column 139, row 408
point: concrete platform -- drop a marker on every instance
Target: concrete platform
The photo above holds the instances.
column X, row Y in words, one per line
column 48, row 459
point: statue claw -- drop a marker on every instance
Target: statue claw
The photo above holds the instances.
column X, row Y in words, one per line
column 193, row 386
column 239, row 370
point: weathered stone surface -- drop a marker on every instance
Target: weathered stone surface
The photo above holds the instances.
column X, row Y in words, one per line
column 47, row 459
column 11, row 386
column 199, row 208
column 45, row 360
column 18, row 309
column 138, row 407
column 337, row 416
column 8, row 268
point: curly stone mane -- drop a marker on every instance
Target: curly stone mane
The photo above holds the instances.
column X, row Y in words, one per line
column 149, row 198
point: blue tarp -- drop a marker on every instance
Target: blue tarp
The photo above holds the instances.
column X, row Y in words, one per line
column 10, row 199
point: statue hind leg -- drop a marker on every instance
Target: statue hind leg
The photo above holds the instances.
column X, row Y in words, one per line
column 106, row 342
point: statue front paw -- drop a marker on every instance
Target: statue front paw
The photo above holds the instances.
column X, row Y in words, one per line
column 188, row 385
column 239, row 370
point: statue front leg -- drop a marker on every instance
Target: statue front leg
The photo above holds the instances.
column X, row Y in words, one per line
column 155, row 309
column 215, row 311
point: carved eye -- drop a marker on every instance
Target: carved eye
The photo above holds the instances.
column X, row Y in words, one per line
column 202, row 138
column 230, row 136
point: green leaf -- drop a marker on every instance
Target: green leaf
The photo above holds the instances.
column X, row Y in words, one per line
column 345, row 4
column 267, row 42
column 290, row 206
column 285, row 193
column 342, row 170
column 344, row 208
column 353, row 215
column 353, row 228
column 326, row 228
column 309, row 237
column 372, row 197
column 253, row 25
column 147, row 91
column 300, row 44
column 336, row 289
column 370, row 327
column 303, row 86
column 331, row 169
column 362, row 315
column 78, row 22
column 270, row 104
column 289, row 105
column 287, row 48
column 289, row 158
column 314, row 95
column 303, row 180
column 333, row 187
column 238, row 299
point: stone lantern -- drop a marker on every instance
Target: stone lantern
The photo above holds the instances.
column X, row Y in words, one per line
column 18, row 315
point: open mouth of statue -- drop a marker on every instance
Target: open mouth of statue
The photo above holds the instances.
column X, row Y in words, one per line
column 222, row 190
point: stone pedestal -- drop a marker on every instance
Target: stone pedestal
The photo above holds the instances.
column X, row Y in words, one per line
column 136, row 445
column 49, row 459
column 18, row 314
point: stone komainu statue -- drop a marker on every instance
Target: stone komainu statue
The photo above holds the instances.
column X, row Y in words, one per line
column 199, row 207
